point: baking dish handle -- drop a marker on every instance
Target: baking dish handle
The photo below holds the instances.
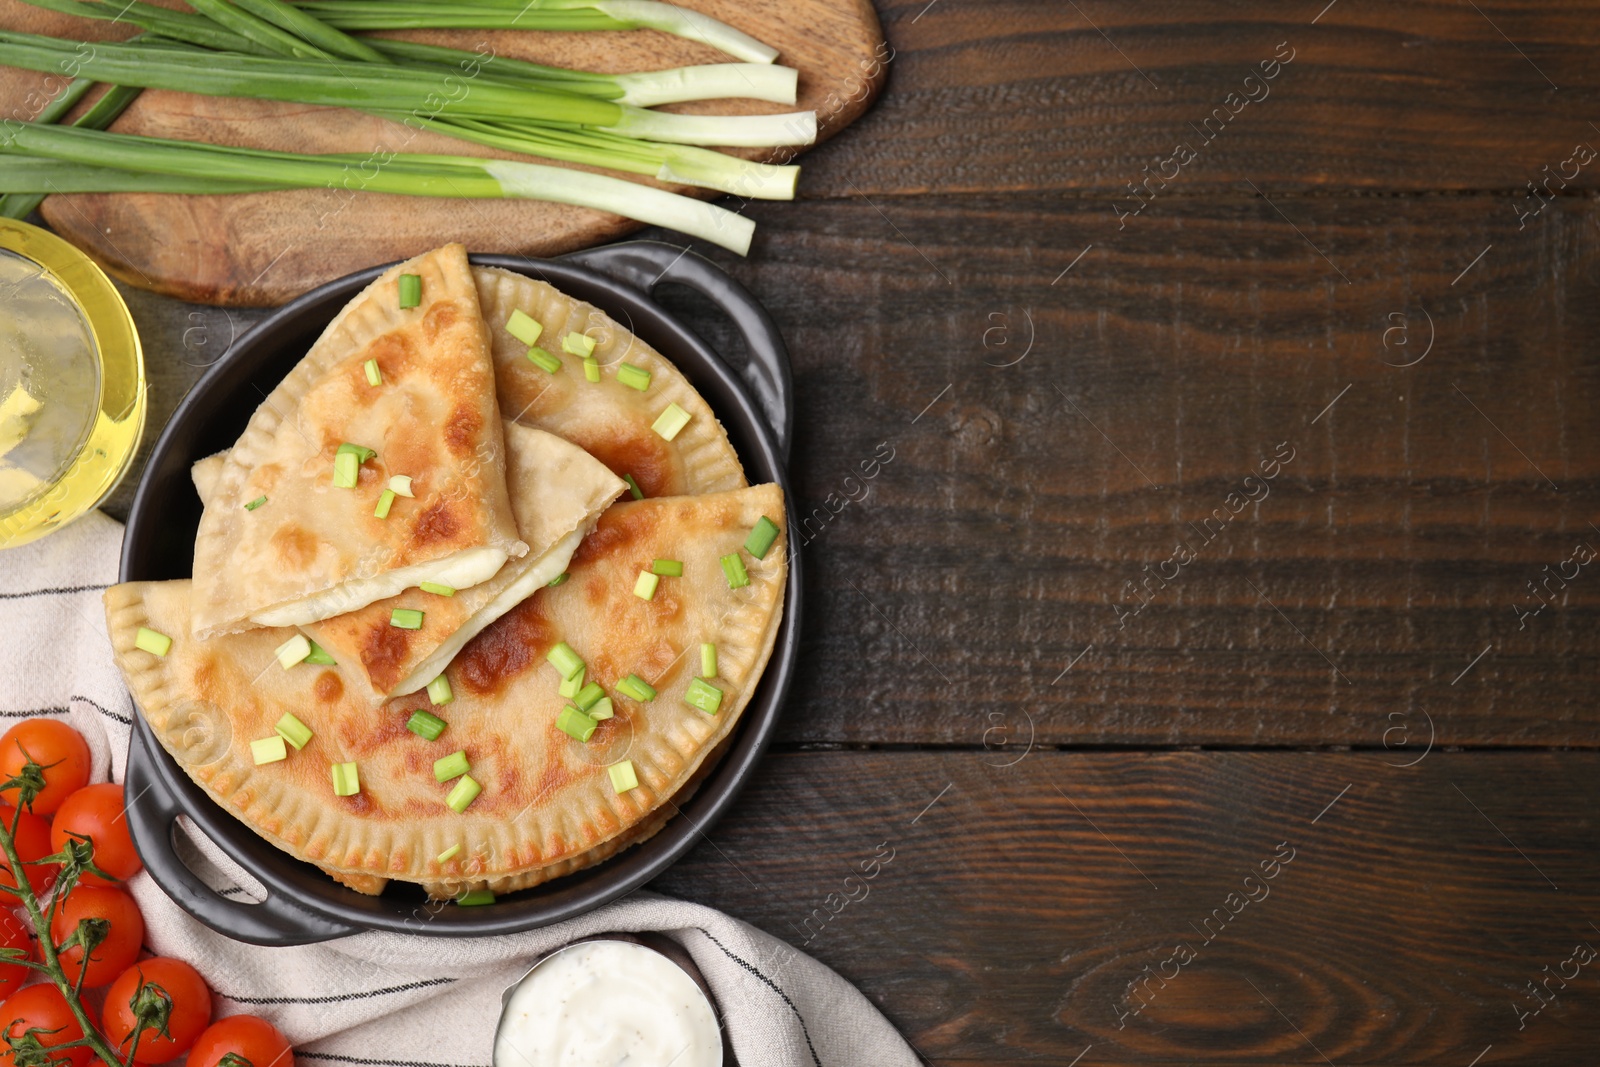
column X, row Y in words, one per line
column 645, row 265
column 276, row 921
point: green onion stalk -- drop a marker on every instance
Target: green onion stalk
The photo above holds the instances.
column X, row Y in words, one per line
column 151, row 1004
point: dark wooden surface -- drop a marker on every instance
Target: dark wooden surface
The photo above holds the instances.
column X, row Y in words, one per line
column 1067, row 397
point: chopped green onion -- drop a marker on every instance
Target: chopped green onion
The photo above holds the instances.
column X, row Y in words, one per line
column 293, row 651
column 571, row 687
column 385, row 502
column 644, row 587
column 708, row 660
column 425, row 724
column 437, row 589
column 633, row 377
column 544, row 359
column 633, row 487
column 401, row 484
column 466, row 790
column 319, row 655
column 268, row 750
column 524, row 327
column 346, row 470
column 703, row 695
column 578, row 344
column 733, row 570
column 346, row 780
column 450, row 853
column 670, row 421
column 256, row 503
column 591, row 369
column 557, row 580
column 564, row 659
column 374, row 373
column 623, row 776
column 361, row 452
column 761, row 537
column 293, row 730
column 670, row 568
column 451, row 766
column 406, row 618
column 602, row 710
column 637, row 688
column 474, row 898
column 575, row 724
column 410, row 290
column 439, row 691
column 588, row 696
column 157, row 644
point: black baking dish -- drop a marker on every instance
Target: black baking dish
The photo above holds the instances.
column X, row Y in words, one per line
column 755, row 405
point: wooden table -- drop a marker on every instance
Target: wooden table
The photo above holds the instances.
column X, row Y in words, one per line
column 1216, row 657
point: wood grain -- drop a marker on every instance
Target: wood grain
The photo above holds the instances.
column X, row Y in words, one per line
column 262, row 249
column 1020, row 908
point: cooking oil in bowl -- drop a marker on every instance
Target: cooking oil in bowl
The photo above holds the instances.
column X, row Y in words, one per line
column 72, row 393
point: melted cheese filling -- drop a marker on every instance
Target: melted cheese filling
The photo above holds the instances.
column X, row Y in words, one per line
column 460, row 570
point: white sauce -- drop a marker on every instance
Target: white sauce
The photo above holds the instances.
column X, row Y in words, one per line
column 607, row 1004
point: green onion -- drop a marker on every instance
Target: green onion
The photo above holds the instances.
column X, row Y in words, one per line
column 633, row 487
column 346, row 470
column 450, row 853
column 543, row 359
column 268, row 750
column 591, row 369
column 557, row 580
column 669, row 568
column 644, row 587
column 311, row 29
column 256, row 503
column 439, row 691
column 361, row 452
column 319, row 655
column 473, row 898
column 670, row 422
column 575, row 724
column 571, row 687
column 410, row 288
column 385, row 502
column 157, row 644
column 401, row 484
column 623, row 776
column 704, row 696
column 426, row 725
column 578, row 344
column 466, row 790
column 374, row 374
column 437, row 589
column 406, row 619
column 451, row 766
column 602, row 710
column 588, row 696
column 346, row 780
column 633, row 377
column 293, row 730
column 637, row 688
column 762, row 535
column 708, row 660
column 524, row 327
column 293, row 651
column 564, row 659
column 733, row 570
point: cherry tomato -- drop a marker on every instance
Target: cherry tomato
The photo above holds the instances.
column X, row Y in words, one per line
column 191, row 1009
column 33, row 843
column 55, row 746
column 96, row 812
column 120, row 948
column 43, row 1008
column 13, row 935
column 247, row 1037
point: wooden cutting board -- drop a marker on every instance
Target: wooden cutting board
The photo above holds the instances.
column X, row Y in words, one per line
column 261, row 249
